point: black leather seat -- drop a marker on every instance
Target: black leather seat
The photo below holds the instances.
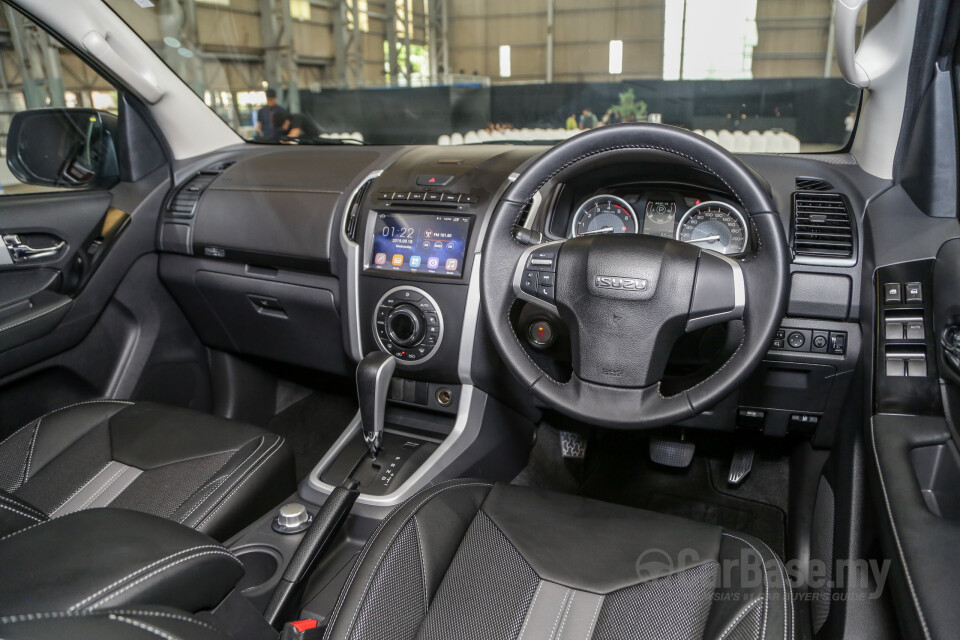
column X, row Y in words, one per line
column 471, row 560
column 211, row 474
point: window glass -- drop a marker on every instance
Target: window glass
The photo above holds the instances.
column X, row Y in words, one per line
column 509, row 71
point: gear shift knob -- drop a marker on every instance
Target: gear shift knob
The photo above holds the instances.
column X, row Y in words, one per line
column 373, row 382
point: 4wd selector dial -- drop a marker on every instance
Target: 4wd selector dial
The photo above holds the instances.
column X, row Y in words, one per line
column 408, row 324
column 405, row 325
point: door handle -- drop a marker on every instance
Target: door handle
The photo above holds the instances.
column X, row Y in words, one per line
column 21, row 252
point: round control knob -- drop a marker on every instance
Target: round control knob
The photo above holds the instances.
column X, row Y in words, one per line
column 820, row 342
column 540, row 334
column 796, row 340
column 405, row 325
column 291, row 518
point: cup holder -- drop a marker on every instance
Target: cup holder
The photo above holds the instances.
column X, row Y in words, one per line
column 260, row 564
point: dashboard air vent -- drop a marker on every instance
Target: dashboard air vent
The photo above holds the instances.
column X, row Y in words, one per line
column 813, row 184
column 822, row 225
column 353, row 213
column 184, row 203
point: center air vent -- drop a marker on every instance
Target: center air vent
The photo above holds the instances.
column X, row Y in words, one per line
column 184, row 203
column 813, row 184
column 822, row 226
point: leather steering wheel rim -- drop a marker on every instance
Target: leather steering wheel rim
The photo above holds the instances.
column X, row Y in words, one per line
column 765, row 275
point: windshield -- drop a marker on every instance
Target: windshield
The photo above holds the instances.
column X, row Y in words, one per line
column 753, row 75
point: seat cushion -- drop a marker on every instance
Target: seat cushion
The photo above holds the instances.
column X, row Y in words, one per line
column 471, row 560
column 135, row 623
column 211, row 474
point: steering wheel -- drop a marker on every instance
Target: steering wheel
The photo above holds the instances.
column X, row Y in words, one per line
column 626, row 298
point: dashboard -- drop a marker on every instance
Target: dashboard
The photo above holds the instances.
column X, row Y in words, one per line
column 704, row 218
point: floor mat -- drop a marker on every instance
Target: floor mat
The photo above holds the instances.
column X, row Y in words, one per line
column 626, row 476
column 312, row 425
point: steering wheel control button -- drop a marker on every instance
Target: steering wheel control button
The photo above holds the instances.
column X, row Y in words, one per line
column 292, row 518
column 543, row 259
column 914, row 292
column 408, row 325
column 545, row 293
column 546, row 278
column 540, row 334
column 796, row 340
column 529, row 283
column 892, row 293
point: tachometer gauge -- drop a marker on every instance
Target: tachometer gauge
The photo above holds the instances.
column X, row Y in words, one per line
column 604, row 214
column 717, row 226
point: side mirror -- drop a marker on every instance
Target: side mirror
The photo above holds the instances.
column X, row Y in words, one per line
column 66, row 148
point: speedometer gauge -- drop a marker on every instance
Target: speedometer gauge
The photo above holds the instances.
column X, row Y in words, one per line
column 604, row 214
column 717, row 226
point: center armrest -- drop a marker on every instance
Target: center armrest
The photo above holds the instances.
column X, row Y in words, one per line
column 108, row 558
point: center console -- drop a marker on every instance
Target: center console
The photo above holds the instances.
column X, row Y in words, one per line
column 412, row 237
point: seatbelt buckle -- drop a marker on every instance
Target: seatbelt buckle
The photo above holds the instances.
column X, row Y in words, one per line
column 302, row 630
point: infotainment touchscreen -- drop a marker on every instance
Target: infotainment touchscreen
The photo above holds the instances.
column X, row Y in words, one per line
column 426, row 243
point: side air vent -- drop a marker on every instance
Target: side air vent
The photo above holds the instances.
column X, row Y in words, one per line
column 822, row 226
column 351, row 224
column 184, row 203
column 813, row 184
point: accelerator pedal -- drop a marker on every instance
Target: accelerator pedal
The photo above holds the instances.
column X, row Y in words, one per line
column 740, row 466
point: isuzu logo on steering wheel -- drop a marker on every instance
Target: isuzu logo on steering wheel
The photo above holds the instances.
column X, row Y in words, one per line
column 616, row 282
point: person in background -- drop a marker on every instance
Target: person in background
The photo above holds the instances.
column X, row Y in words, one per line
column 266, row 117
column 290, row 127
column 572, row 122
column 850, row 121
column 587, row 119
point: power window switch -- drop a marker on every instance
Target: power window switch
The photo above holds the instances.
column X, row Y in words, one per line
column 915, row 331
column 895, row 367
column 892, row 293
column 917, row 367
column 893, row 330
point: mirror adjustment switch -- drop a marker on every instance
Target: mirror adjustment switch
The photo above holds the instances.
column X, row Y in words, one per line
column 892, row 293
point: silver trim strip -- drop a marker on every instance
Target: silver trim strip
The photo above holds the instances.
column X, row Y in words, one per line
column 739, row 298
column 379, row 342
column 352, row 252
column 471, row 315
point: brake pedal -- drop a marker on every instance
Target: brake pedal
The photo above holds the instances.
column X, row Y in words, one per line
column 740, row 466
column 672, row 453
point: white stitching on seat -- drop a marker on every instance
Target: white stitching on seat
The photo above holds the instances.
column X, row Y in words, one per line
column 738, row 618
column 239, row 471
column 106, row 485
column 565, row 609
column 249, row 475
column 160, row 633
column 596, row 615
column 211, row 488
column 160, row 614
column 896, row 535
column 26, row 506
column 33, row 526
column 766, row 586
column 20, row 513
column 53, row 615
column 423, row 566
column 33, row 444
column 212, row 552
column 146, row 568
column 363, row 554
column 81, row 488
column 787, row 587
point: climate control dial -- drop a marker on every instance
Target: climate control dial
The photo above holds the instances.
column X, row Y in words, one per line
column 408, row 324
